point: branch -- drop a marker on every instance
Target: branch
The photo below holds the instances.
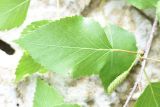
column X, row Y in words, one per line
column 143, row 14
column 6, row 48
column 148, row 46
column 151, row 59
column 92, row 5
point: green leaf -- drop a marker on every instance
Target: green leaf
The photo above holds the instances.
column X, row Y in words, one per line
column 118, row 64
column 67, row 105
column 143, row 4
column 46, row 96
column 27, row 66
column 12, row 13
column 158, row 11
column 81, row 46
column 68, row 43
column 150, row 97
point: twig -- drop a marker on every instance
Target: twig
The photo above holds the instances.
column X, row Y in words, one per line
column 151, row 59
column 92, row 5
column 6, row 47
column 148, row 46
column 143, row 14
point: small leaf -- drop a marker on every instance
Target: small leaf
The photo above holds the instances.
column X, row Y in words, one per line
column 118, row 64
column 27, row 66
column 80, row 45
column 46, row 96
column 143, row 4
column 150, row 97
column 12, row 13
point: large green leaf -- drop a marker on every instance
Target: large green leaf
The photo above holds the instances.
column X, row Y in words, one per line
column 150, row 97
column 46, row 96
column 143, row 4
column 80, row 45
column 63, row 45
column 12, row 13
column 27, row 66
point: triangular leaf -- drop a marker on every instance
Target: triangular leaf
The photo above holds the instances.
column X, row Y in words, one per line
column 12, row 13
column 46, row 96
column 80, row 45
column 143, row 4
column 63, row 45
column 27, row 66
column 150, row 97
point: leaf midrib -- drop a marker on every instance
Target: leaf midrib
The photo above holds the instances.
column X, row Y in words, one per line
column 12, row 9
column 83, row 48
